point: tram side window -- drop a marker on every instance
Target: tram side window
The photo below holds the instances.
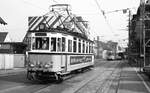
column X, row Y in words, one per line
column 83, row 48
column 89, row 48
column 75, row 45
column 42, row 43
column 53, row 44
column 33, row 43
column 79, row 46
column 86, row 47
column 63, row 44
column 92, row 49
column 69, row 45
column 59, row 44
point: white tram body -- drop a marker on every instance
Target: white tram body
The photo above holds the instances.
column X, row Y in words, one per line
column 58, row 44
column 61, row 54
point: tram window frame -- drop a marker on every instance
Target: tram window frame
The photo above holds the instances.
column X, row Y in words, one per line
column 74, row 45
column 53, row 44
column 59, row 44
column 63, row 44
column 69, row 45
column 83, row 46
column 87, row 47
column 33, row 43
column 92, row 48
column 79, row 45
column 41, row 43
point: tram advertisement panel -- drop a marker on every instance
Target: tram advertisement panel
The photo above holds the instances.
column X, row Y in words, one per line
column 80, row 59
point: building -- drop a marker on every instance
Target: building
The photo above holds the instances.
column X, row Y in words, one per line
column 11, row 53
column 101, row 46
column 139, row 36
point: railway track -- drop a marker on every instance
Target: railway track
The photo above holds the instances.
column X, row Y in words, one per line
column 95, row 81
column 104, row 83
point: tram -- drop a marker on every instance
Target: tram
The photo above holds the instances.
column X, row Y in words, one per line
column 57, row 52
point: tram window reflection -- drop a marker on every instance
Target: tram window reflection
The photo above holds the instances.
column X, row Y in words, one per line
column 45, row 43
column 86, row 47
column 69, row 45
column 33, row 43
column 41, row 43
column 79, row 46
column 59, row 44
column 53, row 44
column 74, row 45
column 63, row 44
column 83, row 48
column 89, row 47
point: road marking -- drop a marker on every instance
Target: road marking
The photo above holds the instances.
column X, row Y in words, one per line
column 146, row 86
column 10, row 89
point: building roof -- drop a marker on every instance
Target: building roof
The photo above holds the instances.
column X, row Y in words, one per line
column 2, row 21
column 3, row 36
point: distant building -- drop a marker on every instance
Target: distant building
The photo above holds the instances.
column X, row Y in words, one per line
column 11, row 53
column 102, row 46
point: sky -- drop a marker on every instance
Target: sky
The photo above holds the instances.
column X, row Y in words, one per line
column 113, row 27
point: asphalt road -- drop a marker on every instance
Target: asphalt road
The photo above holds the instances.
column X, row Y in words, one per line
column 97, row 80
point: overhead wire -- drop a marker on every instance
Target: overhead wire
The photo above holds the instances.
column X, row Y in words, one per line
column 31, row 4
column 103, row 13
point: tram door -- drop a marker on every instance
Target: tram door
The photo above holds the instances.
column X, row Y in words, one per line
column 63, row 56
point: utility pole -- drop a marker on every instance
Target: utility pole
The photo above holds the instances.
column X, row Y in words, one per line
column 129, row 36
column 142, row 14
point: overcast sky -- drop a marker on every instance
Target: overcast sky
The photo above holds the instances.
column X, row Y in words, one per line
column 16, row 12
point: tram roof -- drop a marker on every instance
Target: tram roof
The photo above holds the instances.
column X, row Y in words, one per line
column 64, row 31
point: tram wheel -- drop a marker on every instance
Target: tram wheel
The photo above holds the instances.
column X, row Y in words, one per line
column 29, row 76
column 59, row 79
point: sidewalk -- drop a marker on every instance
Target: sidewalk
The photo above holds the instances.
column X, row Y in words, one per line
column 131, row 81
column 13, row 71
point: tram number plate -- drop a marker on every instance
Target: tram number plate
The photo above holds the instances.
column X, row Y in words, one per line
column 80, row 59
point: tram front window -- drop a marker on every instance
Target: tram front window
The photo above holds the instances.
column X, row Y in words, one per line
column 41, row 43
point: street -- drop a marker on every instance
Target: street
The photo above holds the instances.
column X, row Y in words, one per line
column 103, row 78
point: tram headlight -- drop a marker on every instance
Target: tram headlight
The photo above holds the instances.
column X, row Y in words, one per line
column 47, row 65
column 32, row 65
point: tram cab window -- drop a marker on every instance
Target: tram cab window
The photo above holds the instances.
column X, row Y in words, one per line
column 41, row 43
column 79, row 46
column 63, row 44
column 75, row 45
column 53, row 44
column 69, row 45
column 59, row 44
